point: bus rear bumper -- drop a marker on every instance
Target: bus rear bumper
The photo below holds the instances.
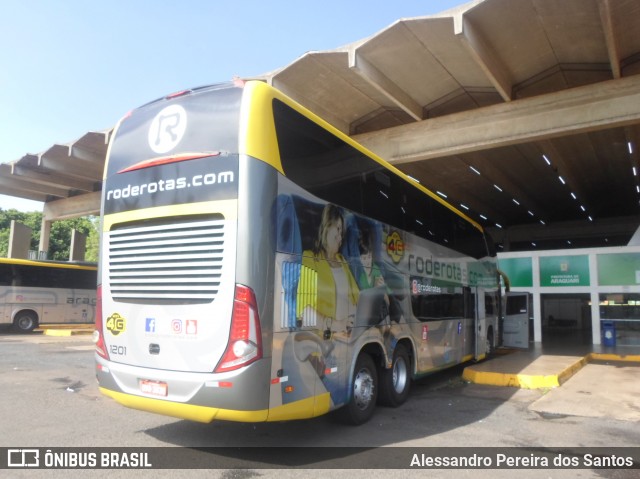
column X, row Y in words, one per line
column 191, row 412
column 239, row 396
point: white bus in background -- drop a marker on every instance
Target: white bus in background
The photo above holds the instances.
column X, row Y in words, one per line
column 46, row 292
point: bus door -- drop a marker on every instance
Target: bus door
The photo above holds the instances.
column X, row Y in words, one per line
column 515, row 328
column 480, row 325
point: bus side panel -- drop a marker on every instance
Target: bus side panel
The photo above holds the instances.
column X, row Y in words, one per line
column 425, row 293
column 322, row 317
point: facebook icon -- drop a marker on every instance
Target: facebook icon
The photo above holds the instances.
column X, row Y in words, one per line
column 150, row 326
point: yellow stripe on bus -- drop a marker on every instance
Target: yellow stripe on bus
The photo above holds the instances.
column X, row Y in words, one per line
column 228, row 208
column 303, row 409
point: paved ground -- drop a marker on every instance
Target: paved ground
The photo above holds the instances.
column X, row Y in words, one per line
column 599, row 389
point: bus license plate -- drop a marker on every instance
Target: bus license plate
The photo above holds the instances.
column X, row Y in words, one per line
column 155, row 388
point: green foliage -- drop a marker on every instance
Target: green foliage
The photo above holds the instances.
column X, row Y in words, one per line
column 60, row 236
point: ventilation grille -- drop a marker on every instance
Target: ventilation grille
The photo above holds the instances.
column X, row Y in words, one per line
column 174, row 262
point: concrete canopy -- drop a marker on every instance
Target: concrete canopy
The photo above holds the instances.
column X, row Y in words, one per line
column 524, row 113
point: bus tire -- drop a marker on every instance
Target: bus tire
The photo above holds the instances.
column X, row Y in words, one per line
column 364, row 392
column 25, row 321
column 395, row 382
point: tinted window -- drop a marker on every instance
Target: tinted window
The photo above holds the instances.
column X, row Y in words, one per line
column 46, row 277
column 333, row 170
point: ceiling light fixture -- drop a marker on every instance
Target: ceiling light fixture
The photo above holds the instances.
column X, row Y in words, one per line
column 474, row 170
column 546, row 159
column 497, row 188
column 441, row 194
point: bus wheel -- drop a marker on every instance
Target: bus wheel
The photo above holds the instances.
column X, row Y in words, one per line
column 364, row 392
column 395, row 382
column 25, row 321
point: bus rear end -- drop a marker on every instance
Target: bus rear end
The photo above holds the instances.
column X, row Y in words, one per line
column 176, row 333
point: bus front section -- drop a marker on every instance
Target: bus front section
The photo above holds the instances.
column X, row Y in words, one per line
column 178, row 330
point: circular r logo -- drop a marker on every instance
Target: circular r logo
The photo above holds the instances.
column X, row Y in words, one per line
column 167, row 129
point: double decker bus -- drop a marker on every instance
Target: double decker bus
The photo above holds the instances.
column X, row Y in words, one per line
column 51, row 292
column 259, row 265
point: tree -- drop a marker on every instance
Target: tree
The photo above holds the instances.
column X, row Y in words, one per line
column 33, row 220
column 60, row 236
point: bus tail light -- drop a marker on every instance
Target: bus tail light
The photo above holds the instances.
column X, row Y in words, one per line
column 245, row 337
column 98, row 333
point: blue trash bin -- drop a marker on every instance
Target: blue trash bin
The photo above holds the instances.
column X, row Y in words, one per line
column 608, row 333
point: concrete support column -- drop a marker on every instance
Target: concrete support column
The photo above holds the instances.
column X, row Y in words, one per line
column 537, row 301
column 595, row 300
column 45, row 233
column 78, row 246
column 595, row 317
column 19, row 240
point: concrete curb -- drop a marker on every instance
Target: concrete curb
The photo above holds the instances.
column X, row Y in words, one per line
column 60, row 330
column 482, row 373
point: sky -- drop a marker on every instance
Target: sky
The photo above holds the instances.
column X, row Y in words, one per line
column 72, row 66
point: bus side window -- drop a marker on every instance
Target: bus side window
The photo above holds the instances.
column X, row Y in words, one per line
column 5, row 275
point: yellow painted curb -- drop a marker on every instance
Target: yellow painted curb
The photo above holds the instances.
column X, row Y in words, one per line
column 614, row 357
column 533, row 381
column 66, row 332
column 522, row 381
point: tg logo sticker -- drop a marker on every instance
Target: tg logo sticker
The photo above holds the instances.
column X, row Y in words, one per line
column 116, row 324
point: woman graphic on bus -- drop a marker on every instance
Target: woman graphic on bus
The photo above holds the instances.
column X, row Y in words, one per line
column 335, row 303
column 337, row 288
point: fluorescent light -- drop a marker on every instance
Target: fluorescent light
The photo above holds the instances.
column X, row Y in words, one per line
column 533, row 244
column 630, row 146
column 582, row 208
column 573, row 195
column 590, row 218
column 542, row 222
column 497, row 188
column 464, row 206
column 441, row 194
column 414, row 179
column 419, row 222
column 484, row 217
column 516, row 202
column 530, row 213
column 474, row 170
column 635, row 171
column 562, row 180
column 498, row 225
column 546, row 159
column 384, row 194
